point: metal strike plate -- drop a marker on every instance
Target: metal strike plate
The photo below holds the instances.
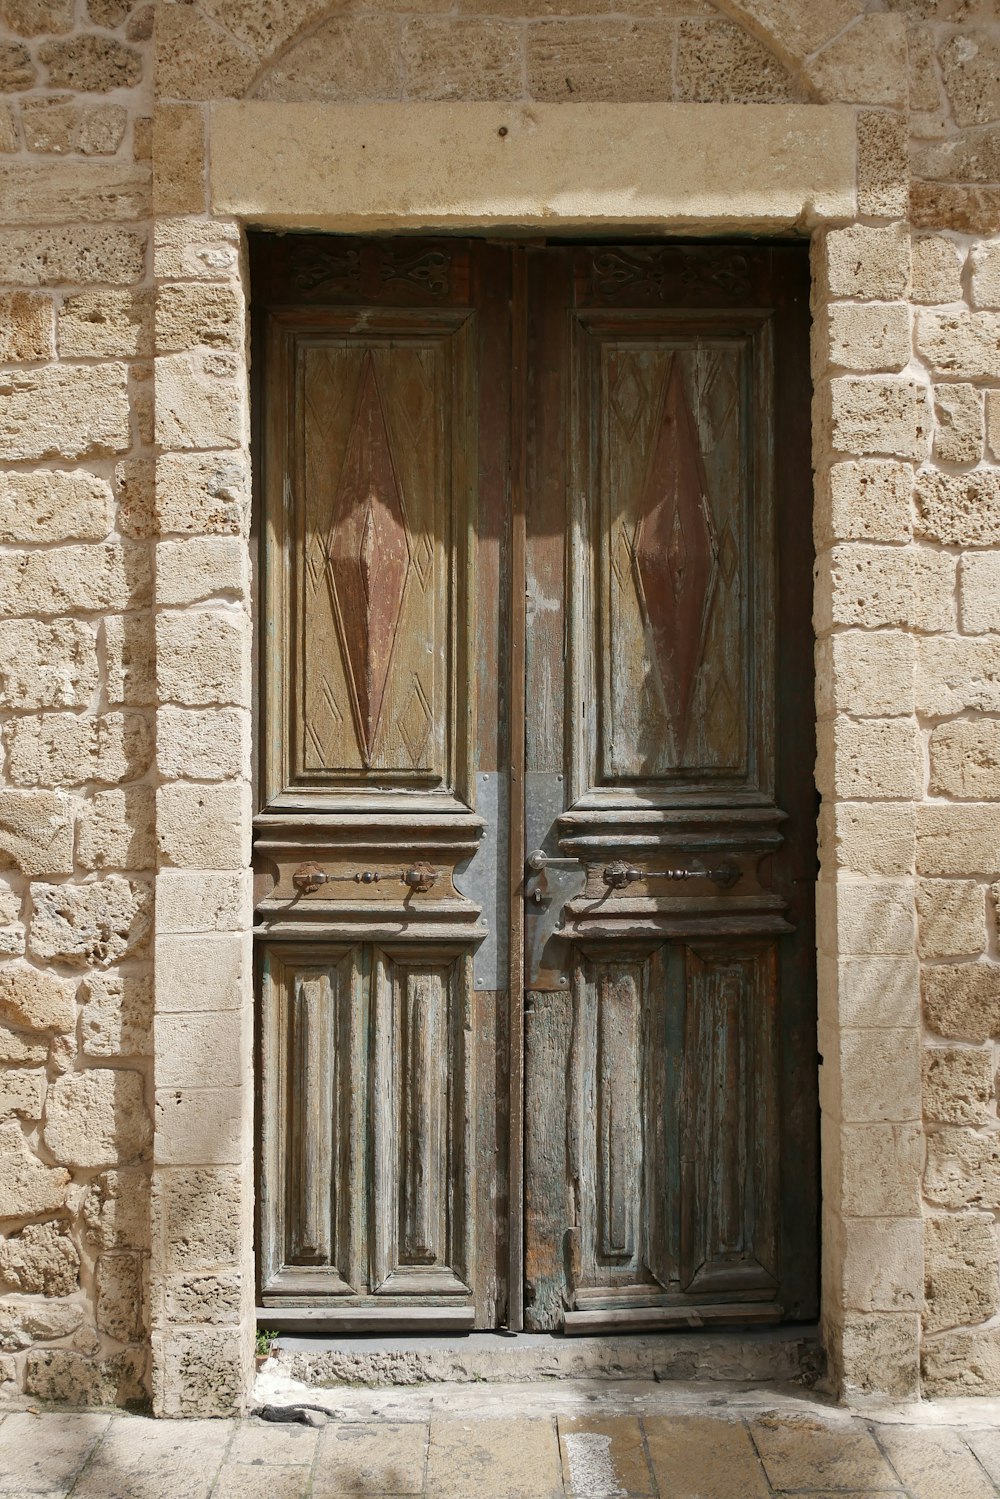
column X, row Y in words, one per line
column 483, row 879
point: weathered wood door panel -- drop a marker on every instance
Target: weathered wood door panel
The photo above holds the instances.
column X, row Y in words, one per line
column 593, row 461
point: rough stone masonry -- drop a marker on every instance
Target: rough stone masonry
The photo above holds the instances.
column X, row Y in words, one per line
column 126, row 1074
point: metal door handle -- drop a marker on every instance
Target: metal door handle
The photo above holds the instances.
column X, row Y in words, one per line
column 619, row 874
column 419, row 876
column 538, row 860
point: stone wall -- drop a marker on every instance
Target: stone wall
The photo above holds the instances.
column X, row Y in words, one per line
column 124, row 572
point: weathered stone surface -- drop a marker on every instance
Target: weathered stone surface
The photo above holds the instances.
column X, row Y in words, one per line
column 879, row 415
column 203, row 827
column 115, row 830
column 866, row 917
column 204, row 1373
column 937, row 269
column 202, row 901
column 36, row 999
column 109, row 13
column 871, row 586
column 198, row 60
column 54, row 191
column 880, row 1354
column 105, row 324
column 882, row 1264
column 870, row 263
column 41, row 1260
column 178, row 159
column 202, row 1209
column 200, row 401
column 864, row 674
column 866, row 64
column 954, row 675
column 958, row 840
column 958, row 1084
column 16, row 1046
column 192, row 248
column 22, row 1091
column 883, row 164
column 202, row 493
column 67, row 749
column 962, row 1000
column 190, row 314
column 196, row 1050
column 63, row 411
column 100, row 923
column 201, row 568
column 203, row 658
column 17, row 71
column 94, row 64
column 962, row 1273
column 966, row 344
column 117, row 1014
column 116, row 1210
column 979, row 592
column 965, row 760
column 965, row 1361
column 958, row 436
column 37, row 17
column 970, row 69
column 25, row 327
column 208, row 972
column 865, row 499
column 27, row 1187
column 208, row 745
column 102, row 130
column 590, row 60
column 120, row 1296
column 211, row 1300
column 870, row 837
column 53, row 257
column 36, row 832
column 10, row 140
column 985, row 281
column 721, row 63
column 97, row 1119
column 880, row 757
column 54, row 505
column 959, row 509
column 129, row 660
column 65, row 1377
column 51, row 125
column 362, row 57
column 963, row 1169
column 951, row 918
column 134, row 483
column 868, row 337
column 23, row 1323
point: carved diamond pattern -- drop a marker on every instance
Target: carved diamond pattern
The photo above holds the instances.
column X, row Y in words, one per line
column 368, row 558
column 415, row 722
column 628, row 395
column 675, row 551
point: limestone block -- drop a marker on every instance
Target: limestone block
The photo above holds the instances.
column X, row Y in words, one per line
column 68, row 749
column 959, row 509
column 17, row 71
column 719, row 63
column 15, row 1046
column 966, row 344
column 965, row 759
column 178, row 159
column 51, row 124
column 866, row 675
column 937, row 269
column 61, row 256
column 134, row 482
column 882, row 1264
column 867, row 64
column 958, row 437
column 213, row 1299
column 202, row 493
column 201, row 568
column 200, row 401
column 36, row 999
column 37, row 17
column 203, row 1373
column 60, row 189
column 962, row 1361
column 54, row 505
column 879, row 415
column 97, row 1119
column 872, row 336
column 870, row 263
column 96, row 578
column 361, row 57
column 203, row 1213
column 63, row 411
column 874, row 1075
column 65, row 1377
column 961, row 1001
column 115, row 830
column 963, row 1169
column 879, row 993
column 970, row 69
column 883, row 164
column 202, row 901
column 869, row 837
column 26, row 325
column 100, row 923
column 10, row 140
column 866, row 499
column 202, row 1126
column 102, row 130
column 882, row 1166
column 41, row 1260
column 198, row 60
column 141, row 400
column 198, row 249
column 951, row 918
column 204, row 827
column 203, row 657
column 210, row 972
column 871, row 586
column 116, row 1210
column 117, row 1018
column 27, row 1188
column 196, row 1050
column 958, row 1084
column 129, row 660
column 22, row 1091
column 881, row 1354
column 958, row 840
column 120, row 1296
column 879, row 758
column 979, row 592
column 865, row 917
column 189, row 314
column 24, row 1322
column 212, row 744
column 958, row 674
column 992, row 405
column 584, row 60
column 109, row 13
column 36, row 832
column 105, row 325
column 94, row 64
column 984, row 262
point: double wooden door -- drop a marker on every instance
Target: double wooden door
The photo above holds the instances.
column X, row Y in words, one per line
column 535, row 842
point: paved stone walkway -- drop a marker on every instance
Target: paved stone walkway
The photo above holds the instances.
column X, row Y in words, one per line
column 730, row 1449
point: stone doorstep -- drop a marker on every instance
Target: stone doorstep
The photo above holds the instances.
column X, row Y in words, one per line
column 769, row 1355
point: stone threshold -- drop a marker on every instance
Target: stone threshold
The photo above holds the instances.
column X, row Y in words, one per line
column 772, row 1355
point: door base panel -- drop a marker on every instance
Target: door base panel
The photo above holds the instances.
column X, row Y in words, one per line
column 376, row 1320
column 652, row 1318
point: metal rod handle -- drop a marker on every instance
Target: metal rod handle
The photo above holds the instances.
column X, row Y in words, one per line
column 619, row 874
column 420, row 877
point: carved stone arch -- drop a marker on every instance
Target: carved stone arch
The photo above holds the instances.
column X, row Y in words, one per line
column 795, row 31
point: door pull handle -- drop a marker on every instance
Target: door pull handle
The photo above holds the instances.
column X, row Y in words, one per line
column 420, row 877
column 538, row 860
column 620, row 874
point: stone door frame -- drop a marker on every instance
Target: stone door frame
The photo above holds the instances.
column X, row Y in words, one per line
column 669, row 170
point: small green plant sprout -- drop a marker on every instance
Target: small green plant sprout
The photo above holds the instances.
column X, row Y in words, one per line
column 264, row 1340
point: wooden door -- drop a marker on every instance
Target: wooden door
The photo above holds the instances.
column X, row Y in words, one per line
column 535, row 645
